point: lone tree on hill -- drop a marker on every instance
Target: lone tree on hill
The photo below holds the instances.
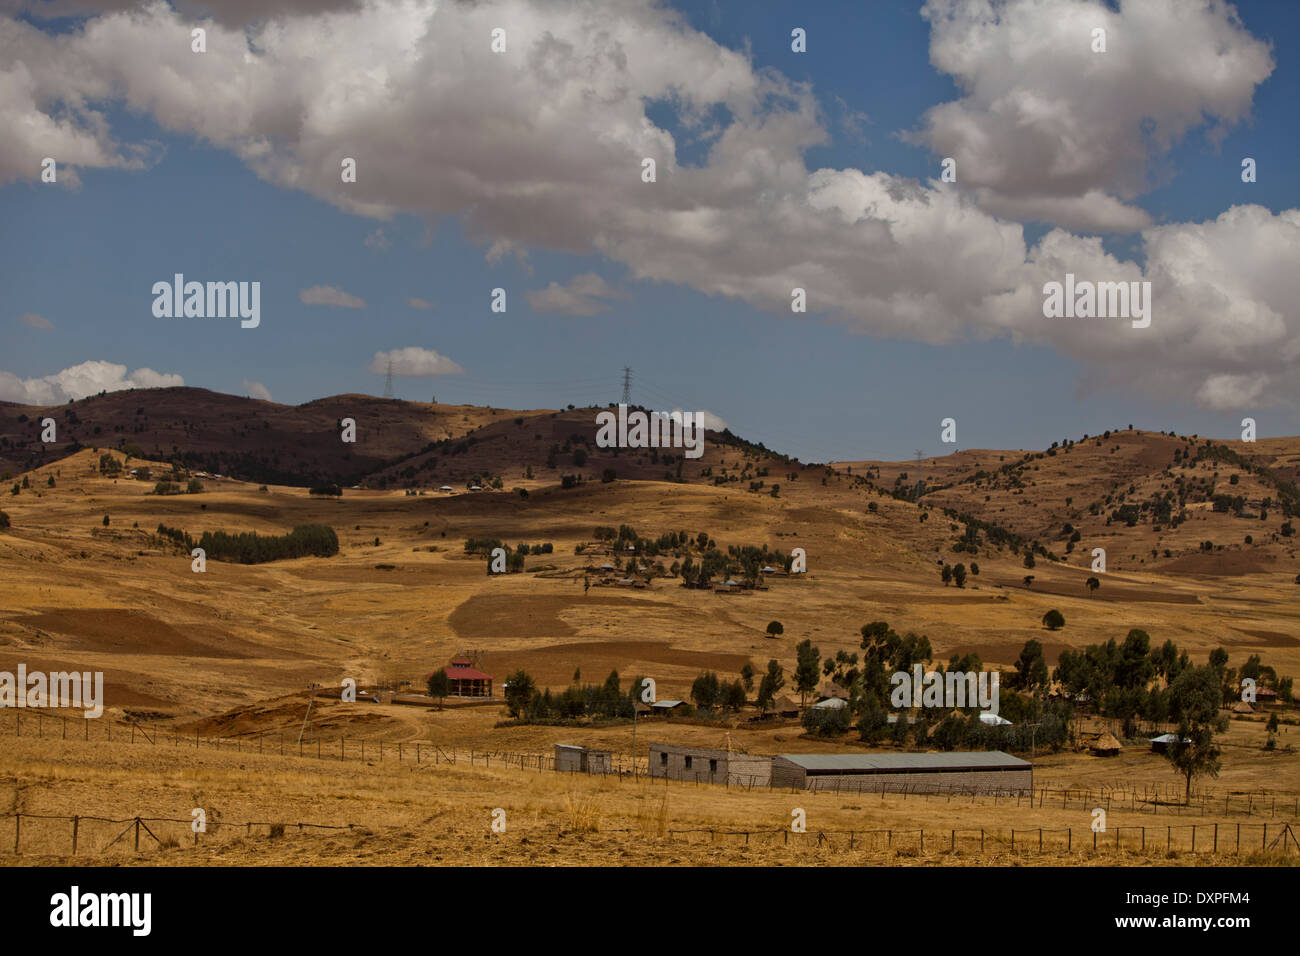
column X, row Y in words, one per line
column 1092, row 584
column 959, row 575
column 775, row 628
column 439, row 686
column 1029, row 580
column 1029, row 559
column 1054, row 620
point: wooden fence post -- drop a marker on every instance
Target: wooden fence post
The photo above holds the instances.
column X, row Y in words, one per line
column 76, row 822
column 18, row 826
column 137, row 834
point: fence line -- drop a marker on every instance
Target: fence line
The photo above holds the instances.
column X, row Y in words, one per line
column 1041, row 839
column 1219, row 838
column 1150, row 798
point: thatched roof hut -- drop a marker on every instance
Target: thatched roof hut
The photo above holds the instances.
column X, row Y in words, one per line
column 1107, row 745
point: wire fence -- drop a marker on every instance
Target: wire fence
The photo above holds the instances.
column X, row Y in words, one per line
column 1121, row 796
column 1208, row 838
column 94, row 836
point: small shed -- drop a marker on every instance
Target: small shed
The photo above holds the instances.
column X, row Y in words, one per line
column 1161, row 744
column 667, row 706
column 831, row 703
column 1241, row 707
column 571, row 758
column 785, row 707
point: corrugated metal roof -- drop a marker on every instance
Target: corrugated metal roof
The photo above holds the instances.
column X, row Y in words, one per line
column 831, row 763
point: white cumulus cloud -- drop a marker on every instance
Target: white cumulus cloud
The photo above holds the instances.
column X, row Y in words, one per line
column 1049, row 129
column 413, row 362
column 257, row 390
column 550, row 156
column 586, row 294
column 80, row 381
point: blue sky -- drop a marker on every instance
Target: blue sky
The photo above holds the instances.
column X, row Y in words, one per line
column 822, row 385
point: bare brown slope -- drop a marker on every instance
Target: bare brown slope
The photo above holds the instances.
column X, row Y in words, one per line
column 243, row 437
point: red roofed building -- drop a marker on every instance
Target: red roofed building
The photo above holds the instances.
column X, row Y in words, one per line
column 465, row 681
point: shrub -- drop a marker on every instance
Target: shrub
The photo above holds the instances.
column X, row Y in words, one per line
column 4, row 520
column 1054, row 620
column 166, row 488
column 331, row 490
column 194, row 486
column 826, row 721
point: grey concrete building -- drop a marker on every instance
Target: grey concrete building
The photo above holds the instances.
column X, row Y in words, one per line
column 570, row 758
column 701, row 765
column 977, row 772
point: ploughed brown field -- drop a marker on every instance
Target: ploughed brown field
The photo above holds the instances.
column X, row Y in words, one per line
column 230, row 653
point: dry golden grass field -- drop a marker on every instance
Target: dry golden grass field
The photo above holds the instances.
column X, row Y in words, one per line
column 231, row 652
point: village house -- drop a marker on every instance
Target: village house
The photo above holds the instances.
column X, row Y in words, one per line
column 466, row 681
